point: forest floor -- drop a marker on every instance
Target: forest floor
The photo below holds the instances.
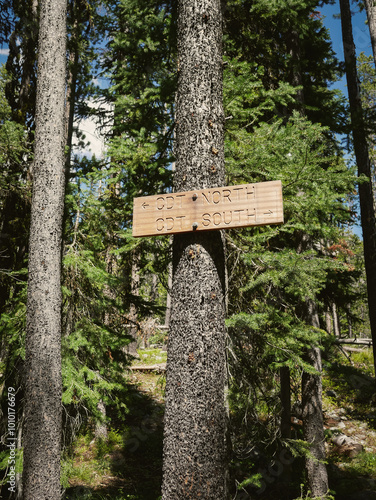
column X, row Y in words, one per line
column 349, row 403
column 129, row 465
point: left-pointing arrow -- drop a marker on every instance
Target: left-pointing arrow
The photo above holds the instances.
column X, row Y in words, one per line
column 144, row 205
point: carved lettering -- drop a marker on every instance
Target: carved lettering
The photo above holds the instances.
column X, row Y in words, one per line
column 169, row 202
column 160, row 203
column 227, row 217
column 168, row 223
column 180, row 199
column 209, row 209
column 251, row 192
column 206, row 197
column 226, row 194
column 251, row 212
column 237, row 189
column 217, row 218
column 216, row 197
column 238, row 212
column 206, row 220
column 165, row 202
column 180, row 218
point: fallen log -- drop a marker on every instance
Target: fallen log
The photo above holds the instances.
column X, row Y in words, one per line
column 353, row 349
column 354, row 341
column 149, row 368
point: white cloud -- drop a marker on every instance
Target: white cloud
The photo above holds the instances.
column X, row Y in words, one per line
column 4, row 52
column 94, row 134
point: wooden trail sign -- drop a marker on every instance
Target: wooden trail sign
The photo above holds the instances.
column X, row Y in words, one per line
column 209, row 209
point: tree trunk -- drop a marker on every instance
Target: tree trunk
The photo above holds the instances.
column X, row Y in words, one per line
column 284, row 374
column 168, row 300
column 43, row 386
column 349, row 321
column 296, row 79
column 133, row 313
column 336, row 325
column 364, row 168
column 101, row 425
column 328, row 320
column 371, row 18
column 194, row 438
column 313, row 422
column 73, row 68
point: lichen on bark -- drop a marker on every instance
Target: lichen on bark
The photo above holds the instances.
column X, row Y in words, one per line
column 194, row 439
column 43, row 386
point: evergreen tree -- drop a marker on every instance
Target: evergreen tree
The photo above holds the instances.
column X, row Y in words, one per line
column 194, row 434
column 275, row 274
column 367, row 75
column 14, row 196
column 371, row 19
column 42, row 437
column 359, row 136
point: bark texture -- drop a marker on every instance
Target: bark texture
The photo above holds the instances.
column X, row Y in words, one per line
column 284, row 374
column 194, row 440
column 135, row 291
column 313, row 421
column 43, row 387
column 363, row 163
column 371, row 19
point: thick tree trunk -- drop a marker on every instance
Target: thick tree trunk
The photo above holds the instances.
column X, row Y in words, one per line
column 194, row 439
column 364, row 167
column 313, row 422
column 43, row 386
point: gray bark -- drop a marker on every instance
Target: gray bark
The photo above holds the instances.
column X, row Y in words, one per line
column 371, row 18
column 194, row 440
column 336, row 326
column 43, row 386
column 168, row 301
column 313, row 421
column 366, row 200
column 328, row 320
column 284, row 374
column 133, row 314
column 101, row 426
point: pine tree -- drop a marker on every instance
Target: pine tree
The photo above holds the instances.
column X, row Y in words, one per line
column 194, row 435
column 42, row 437
column 371, row 19
column 265, row 152
column 359, row 136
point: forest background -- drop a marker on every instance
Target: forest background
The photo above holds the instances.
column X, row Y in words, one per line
column 284, row 120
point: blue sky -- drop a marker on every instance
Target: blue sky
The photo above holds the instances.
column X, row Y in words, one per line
column 360, row 29
column 360, row 33
column 3, row 55
column 361, row 39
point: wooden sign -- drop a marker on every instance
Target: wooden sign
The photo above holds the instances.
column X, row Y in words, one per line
column 209, row 209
